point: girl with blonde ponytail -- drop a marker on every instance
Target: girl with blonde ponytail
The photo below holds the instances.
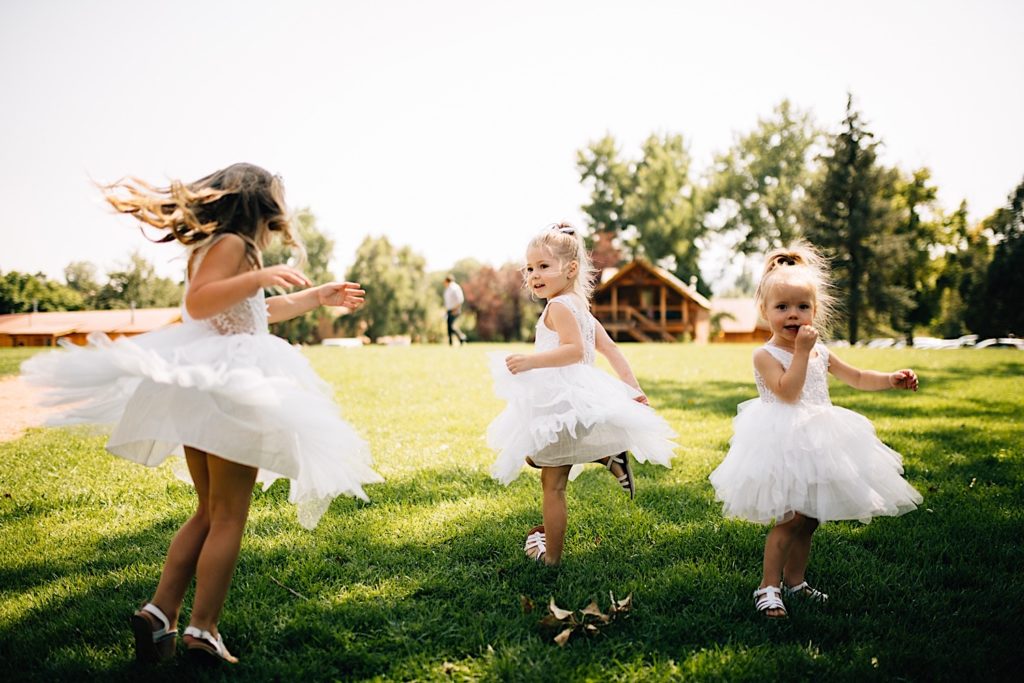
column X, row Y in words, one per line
column 562, row 411
column 795, row 460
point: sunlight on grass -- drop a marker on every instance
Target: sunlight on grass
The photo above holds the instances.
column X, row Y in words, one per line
column 424, row 581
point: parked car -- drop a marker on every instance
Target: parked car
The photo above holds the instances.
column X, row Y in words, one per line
column 1001, row 342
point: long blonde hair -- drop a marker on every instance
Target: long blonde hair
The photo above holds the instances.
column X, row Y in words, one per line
column 566, row 244
column 799, row 262
column 242, row 199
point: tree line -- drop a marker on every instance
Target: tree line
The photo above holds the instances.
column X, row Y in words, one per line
column 902, row 264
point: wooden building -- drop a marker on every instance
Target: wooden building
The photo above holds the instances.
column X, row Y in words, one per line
column 47, row 328
column 642, row 302
column 737, row 320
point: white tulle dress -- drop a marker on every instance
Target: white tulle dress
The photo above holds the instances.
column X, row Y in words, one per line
column 223, row 385
column 810, row 457
column 572, row 414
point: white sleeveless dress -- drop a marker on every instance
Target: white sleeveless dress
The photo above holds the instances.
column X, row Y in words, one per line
column 571, row 414
column 811, row 457
column 223, row 385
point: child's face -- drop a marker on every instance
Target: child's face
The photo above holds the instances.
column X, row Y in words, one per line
column 546, row 276
column 788, row 306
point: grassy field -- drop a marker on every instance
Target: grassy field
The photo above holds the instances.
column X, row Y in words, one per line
column 425, row 582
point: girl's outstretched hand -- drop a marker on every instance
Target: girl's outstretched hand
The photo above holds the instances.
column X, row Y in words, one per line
column 518, row 363
column 282, row 276
column 347, row 294
column 642, row 399
column 903, row 379
column 806, row 337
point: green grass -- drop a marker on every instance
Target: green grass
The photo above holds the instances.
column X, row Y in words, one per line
column 11, row 359
column 424, row 582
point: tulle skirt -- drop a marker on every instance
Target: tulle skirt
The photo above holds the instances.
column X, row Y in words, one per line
column 570, row 415
column 252, row 399
column 821, row 461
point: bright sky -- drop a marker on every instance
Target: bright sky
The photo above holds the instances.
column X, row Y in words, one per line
column 453, row 126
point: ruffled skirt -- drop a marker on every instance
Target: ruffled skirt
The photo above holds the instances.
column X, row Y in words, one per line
column 252, row 399
column 821, row 461
column 570, row 415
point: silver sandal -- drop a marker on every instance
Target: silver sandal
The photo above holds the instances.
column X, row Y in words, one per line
column 768, row 598
column 626, row 480
column 802, row 590
column 152, row 645
column 535, row 540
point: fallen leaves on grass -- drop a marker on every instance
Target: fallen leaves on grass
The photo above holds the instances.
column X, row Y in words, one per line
column 590, row 621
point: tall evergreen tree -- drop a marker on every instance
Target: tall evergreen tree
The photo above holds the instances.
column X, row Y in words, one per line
column 999, row 312
column 851, row 217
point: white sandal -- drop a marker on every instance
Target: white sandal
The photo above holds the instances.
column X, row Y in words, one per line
column 802, row 590
column 626, row 480
column 206, row 648
column 152, row 645
column 536, row 541
column 769, row 598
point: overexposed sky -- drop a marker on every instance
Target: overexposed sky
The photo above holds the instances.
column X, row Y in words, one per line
column 453, row 126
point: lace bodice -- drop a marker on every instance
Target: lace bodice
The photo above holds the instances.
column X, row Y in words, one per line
column 248, row 316
column 815, row 389
column 547, row 338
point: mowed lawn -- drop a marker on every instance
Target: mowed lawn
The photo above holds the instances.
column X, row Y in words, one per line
column 426, row 581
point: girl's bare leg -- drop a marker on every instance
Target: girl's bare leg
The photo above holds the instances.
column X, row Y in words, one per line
column 183, row 553
column 799, row 551
column 553, row 481
column 230, row 486
column 777, row 547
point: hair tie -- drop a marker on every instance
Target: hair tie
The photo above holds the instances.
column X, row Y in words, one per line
column 564, row 228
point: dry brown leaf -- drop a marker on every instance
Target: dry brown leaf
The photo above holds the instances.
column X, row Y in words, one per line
column 551, row 621
column 563, row 637
column 560, row 614
column 594, row 611
column 526, row 603
column 590, row 628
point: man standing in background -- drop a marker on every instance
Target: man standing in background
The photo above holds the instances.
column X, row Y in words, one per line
column 453, row 300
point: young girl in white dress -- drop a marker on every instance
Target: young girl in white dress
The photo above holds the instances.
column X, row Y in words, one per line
column 242, row 404
column 795, row 458
column 562, row 411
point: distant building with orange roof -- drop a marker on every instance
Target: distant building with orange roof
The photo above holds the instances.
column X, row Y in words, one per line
column 738, row 321
column 46, row 328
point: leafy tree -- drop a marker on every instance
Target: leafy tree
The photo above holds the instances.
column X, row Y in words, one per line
column 648, row 207
column 999, row 311
column 500, row 303
column 319, row 249
column 920, row 230
column 23, row 293
column 398, row 298
column 137, row 284
column 851, row 216
column 962, row 271
column 758, row 186
column 81, row 277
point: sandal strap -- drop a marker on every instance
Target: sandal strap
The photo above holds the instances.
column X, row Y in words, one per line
column 806, row 591
column 165, row 629
column 216, row 642
column 767, row 598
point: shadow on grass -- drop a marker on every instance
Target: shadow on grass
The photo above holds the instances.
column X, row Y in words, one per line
column 428, row 578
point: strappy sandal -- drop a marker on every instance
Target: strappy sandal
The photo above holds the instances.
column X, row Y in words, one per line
column 152, row 644
column 626, row 479
column 535, row 541
column 802, row 590
column 207, row 649
column 769, row 598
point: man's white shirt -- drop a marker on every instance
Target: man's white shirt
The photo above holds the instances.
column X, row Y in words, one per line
column 453, row 296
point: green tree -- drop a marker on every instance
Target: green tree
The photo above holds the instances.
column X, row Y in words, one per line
column 23, row 293
column 319, row 249
column 999, row 312
column 649, row 206
column 962, row 270
column 137, row 284
column 851, row 216
column 398, row 297
column 758, row 186
column 919, row 232
column 81, row 277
